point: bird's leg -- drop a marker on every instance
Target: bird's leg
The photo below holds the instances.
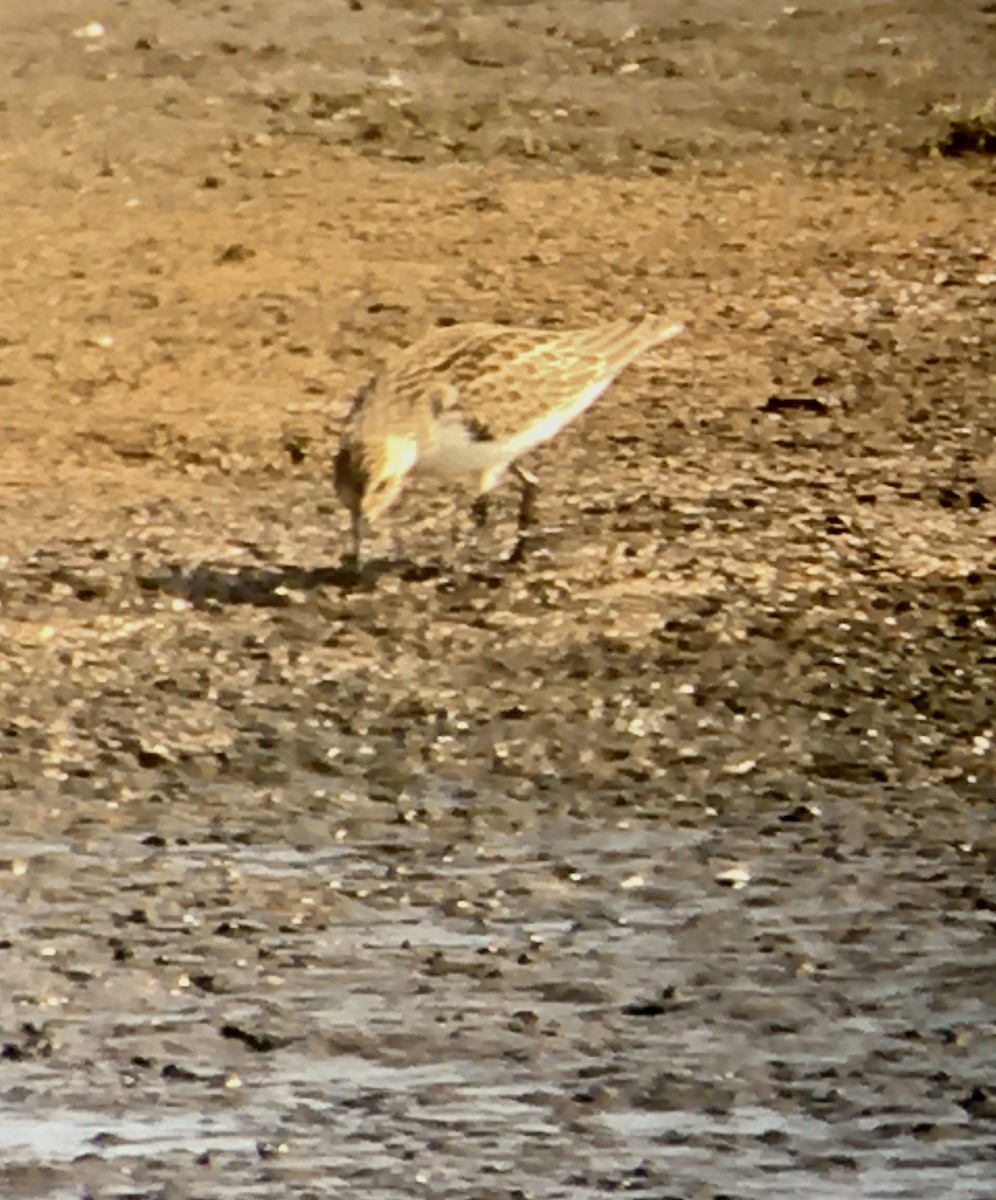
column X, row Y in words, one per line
column 527, row 511
column 527, row 503
column 478, row 517
column 479, row 510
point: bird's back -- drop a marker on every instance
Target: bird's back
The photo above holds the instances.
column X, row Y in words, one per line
column 502, row 380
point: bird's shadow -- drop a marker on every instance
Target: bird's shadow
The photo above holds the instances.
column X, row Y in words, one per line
column 275, row 585
column 207, row 584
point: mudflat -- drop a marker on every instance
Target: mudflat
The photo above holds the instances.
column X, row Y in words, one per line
column 660, row 863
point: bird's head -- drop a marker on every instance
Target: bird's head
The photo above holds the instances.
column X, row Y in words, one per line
column 371, row 471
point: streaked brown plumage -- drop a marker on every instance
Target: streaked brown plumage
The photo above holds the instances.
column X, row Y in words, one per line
column 468, row 400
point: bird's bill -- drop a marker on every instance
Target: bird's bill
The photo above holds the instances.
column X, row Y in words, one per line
column 357, row 537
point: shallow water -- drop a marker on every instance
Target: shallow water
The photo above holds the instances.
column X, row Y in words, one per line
column 626, row 1016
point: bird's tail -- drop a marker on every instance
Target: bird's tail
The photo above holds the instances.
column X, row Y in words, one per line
column 662, row 330
column 623, row 341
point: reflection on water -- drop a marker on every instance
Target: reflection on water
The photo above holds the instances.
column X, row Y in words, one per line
column 65, row 1135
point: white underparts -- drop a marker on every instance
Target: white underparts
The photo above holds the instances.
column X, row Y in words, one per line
column 454, row 453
